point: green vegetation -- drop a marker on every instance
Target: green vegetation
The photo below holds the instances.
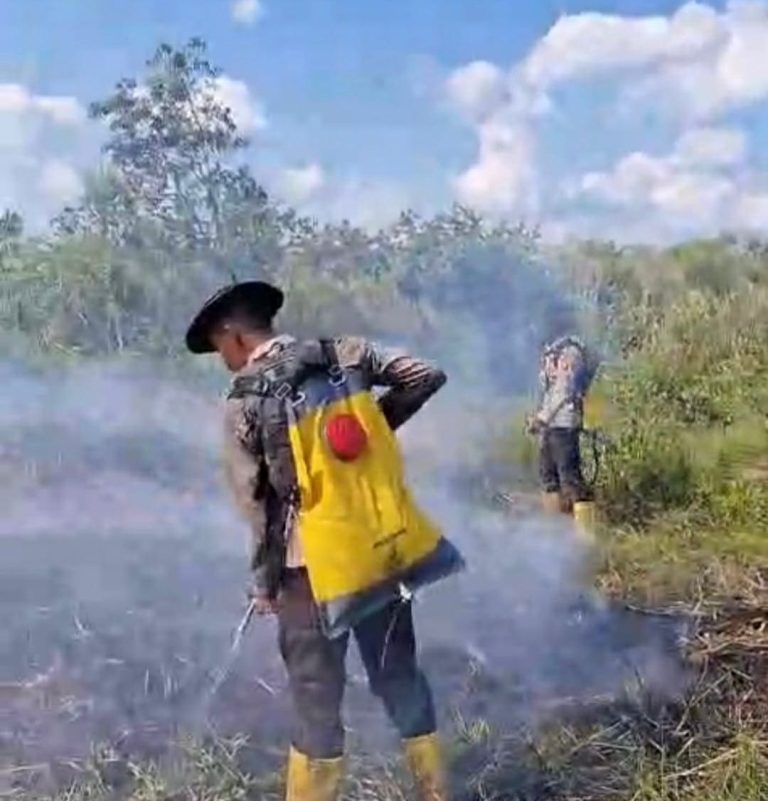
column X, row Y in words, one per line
column 683, row 487
column 685, row 482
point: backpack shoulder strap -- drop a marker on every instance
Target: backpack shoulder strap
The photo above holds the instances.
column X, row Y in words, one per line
column 312, row 357
column 244, row 386
column 282, row 378
column 328, row 349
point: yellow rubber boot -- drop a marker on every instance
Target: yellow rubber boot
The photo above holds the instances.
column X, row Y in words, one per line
column 312, row 779
column 551, row 503
column 425, row 760
column 585, row 518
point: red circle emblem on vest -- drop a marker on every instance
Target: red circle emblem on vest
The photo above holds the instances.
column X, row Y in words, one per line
column 346, row 437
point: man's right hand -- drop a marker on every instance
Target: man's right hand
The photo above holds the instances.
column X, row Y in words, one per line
column 264, row 607
column 261, row 605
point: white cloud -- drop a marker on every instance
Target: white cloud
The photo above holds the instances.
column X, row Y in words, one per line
column 631, row 181
column 694, row 197
column 694, row 180
column 502, row 111
column 14, row 98
column 370, row 204
column 246, row 12
column 586, row 44
column 696, row 64
column 730, row 73
column 332, row 197
column 698, row 61
column 642, row 183
column 502, row 106
column 477, row 88
column 17, row 99
column 45, row 142
column 503, row 179
column 62, row 110
column 716, row 147
column 60, row 183
column 751, row 211
column 703, row 186
column 247, row 112
column 299, row 185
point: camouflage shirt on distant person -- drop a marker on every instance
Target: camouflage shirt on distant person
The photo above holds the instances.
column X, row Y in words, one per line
column 561, row 403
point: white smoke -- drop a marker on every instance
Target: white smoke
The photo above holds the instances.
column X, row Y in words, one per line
column 125, row 567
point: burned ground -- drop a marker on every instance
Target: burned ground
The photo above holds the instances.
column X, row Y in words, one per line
column 123, row 577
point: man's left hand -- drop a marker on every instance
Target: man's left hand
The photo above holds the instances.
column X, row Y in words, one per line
column 533, row 424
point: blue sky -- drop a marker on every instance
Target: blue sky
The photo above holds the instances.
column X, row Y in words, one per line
column 639, row 119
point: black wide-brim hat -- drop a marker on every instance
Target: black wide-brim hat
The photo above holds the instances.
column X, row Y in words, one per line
column 259, row 297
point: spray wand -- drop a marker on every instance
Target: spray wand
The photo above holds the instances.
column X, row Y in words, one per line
column 234, row 650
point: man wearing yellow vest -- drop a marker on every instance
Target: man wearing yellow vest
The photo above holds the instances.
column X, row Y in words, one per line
column 338, row 545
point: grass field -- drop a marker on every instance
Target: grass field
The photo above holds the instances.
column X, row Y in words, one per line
column 118, row 619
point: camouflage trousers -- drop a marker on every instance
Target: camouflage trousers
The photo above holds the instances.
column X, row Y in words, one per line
column 560, row 465
column 317, row 672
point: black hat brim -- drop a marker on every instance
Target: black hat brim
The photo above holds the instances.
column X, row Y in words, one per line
column 261, row 298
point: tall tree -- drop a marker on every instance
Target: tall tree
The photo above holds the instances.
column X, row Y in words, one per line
column 11, row 232
column 170, row 153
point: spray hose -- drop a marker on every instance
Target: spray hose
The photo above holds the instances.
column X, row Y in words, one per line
column 596, row 438
column 405, row 597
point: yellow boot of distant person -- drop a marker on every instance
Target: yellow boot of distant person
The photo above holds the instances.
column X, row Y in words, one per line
column 551, row 503
column 585, row 518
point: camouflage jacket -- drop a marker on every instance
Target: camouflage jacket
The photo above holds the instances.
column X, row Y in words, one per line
column 561, row 401
column 261, row 489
